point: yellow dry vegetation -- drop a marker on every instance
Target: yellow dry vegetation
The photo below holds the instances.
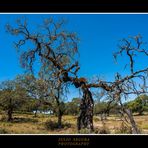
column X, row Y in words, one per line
column 28, row 124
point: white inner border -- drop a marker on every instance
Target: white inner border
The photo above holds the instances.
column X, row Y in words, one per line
column 70, row 13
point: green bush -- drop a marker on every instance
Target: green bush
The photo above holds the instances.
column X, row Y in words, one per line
column 52, row 125
column 3, row 131
column 3, row 118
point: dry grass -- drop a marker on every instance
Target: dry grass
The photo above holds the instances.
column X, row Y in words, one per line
column 27, row 124
column 113, row 123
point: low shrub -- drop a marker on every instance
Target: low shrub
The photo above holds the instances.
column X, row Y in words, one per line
column 52, row 125
column 3, row 131
column 123, row 129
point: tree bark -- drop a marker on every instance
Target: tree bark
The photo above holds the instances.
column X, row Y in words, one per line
column 132, row 121
column 59, row 119
column 128, row 112
column 85, row 118
column 59, row 108
column 10, row 110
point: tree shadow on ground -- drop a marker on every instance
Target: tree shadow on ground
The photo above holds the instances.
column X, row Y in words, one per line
column 24, row 120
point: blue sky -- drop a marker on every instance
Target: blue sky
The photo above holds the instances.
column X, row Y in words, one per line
column 99, row 35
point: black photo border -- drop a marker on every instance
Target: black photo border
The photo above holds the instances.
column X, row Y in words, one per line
column 99, row 141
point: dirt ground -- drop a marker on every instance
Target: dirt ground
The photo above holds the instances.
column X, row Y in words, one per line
column 28, row 124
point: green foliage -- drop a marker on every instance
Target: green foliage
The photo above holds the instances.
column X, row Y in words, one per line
column 11, row 95
column 3, row 131
column 72, row 108
column 102, row 107
column 139, row 105
column 37, row 90
column 56, row 107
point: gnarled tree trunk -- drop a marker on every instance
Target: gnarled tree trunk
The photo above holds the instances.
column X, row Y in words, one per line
column 85, row 118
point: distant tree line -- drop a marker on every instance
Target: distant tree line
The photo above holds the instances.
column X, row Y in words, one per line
column 139, row 105
column 28, row 94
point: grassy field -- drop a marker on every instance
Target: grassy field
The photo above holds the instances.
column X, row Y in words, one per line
column 28, row 124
